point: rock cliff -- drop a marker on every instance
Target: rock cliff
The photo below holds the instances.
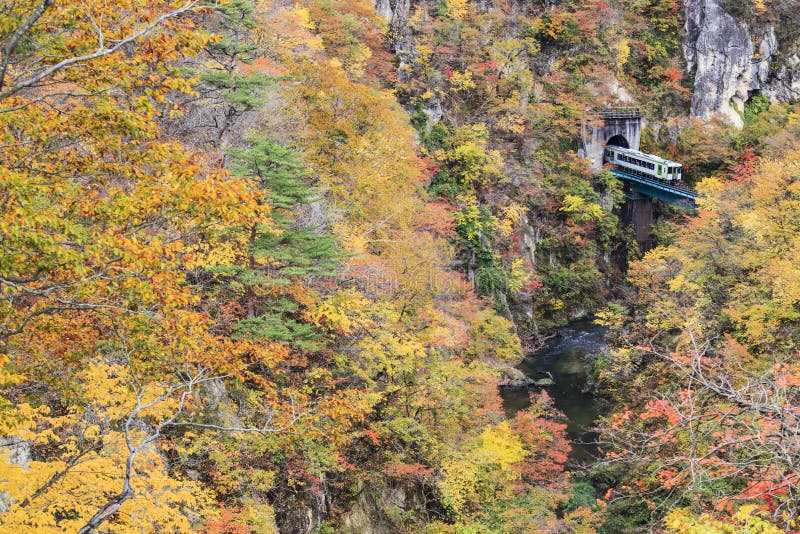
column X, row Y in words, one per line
column 731, row 61
column 393, row 11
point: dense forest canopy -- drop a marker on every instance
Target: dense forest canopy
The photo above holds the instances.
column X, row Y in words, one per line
column 264, row 264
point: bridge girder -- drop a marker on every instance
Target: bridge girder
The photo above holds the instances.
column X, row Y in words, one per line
column 659, row 190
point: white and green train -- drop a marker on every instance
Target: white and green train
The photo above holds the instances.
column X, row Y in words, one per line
column 644, row 165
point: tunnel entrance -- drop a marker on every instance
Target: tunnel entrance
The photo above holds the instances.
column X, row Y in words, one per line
column 618, row 140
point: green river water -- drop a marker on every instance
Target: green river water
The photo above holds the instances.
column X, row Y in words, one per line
column 564, row 359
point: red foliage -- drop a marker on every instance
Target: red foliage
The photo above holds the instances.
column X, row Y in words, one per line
column 531, row 286
column 373, row 436
column 344, row 464
column 545, row 440
column 416, row 472
column 437, row 218
column 743, row 170
column 228, row 522
column 673, row 75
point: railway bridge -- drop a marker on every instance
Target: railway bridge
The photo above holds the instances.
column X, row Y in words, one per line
column 622, row 126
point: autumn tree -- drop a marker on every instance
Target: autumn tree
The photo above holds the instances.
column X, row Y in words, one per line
column 717, row 340
column 282, row 251
column 244, row 328
column 104, row 347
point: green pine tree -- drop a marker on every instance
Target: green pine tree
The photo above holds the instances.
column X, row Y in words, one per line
column 233, row 92
column 285, row 252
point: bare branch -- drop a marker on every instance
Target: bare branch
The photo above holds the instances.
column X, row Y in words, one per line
column 101, row 51
column 17, row 35
column 186, row 388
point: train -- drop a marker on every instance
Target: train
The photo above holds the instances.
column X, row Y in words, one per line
column 643, row 165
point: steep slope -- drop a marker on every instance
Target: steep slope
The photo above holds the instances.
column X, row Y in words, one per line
column 227, row 303
column 738, row 49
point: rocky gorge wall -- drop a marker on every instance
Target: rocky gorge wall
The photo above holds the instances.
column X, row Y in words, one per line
column 732, row 60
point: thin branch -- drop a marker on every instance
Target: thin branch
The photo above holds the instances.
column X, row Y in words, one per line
column 187, row 388
column 101, row 51
column 17, row 35
column 58, row 475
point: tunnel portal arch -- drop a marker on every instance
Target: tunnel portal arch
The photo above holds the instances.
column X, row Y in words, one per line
column 618, row 140
column 619, row 126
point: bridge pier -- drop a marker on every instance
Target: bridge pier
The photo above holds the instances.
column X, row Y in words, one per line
column 623, row 127
column 639, row 212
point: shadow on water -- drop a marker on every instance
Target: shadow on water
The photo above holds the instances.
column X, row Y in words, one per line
column 565, row 359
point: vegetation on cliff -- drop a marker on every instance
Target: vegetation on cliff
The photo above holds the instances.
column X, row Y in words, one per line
column 263, row 265
column 227, row 304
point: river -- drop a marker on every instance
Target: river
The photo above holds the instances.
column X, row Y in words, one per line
column 564, row 359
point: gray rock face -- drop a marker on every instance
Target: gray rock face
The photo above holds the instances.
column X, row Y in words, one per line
column 721, row 53
column 19, row 454
column 729, row 67
column 785, row 86
column 376, row 510
column 393, row 11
